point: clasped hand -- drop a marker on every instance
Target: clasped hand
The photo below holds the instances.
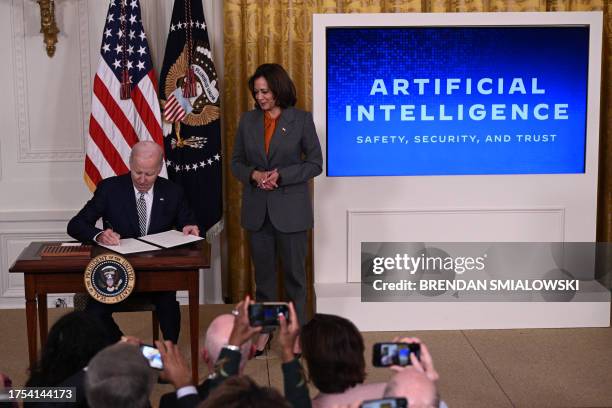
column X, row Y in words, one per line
column 266, row 180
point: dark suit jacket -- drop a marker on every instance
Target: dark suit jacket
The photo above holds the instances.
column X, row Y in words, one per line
column 169, row 399
column 115, row 202
column 228, row 365
column 296, row 153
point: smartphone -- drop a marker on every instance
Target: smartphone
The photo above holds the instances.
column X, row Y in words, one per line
column 388, row 354
column 153, row 356
column 266, row 314
column 385, row 403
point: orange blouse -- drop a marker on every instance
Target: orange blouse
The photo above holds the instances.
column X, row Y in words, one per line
column 269, row 127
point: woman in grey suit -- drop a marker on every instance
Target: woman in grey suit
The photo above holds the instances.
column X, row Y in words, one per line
column 276, row 153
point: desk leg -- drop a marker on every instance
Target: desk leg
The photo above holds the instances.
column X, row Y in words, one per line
column 42, row 318
column 30, row 297
column 194, row 319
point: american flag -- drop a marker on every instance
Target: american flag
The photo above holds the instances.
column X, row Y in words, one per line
column 177, row 106
column 192, row 132
column 121, row 117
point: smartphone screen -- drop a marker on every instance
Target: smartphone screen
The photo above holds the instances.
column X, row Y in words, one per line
column 266, row 314
column 153, row 356
column 385, row 403
column 388, row 354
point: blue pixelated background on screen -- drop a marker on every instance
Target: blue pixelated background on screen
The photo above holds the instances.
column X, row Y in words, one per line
column 390, row 140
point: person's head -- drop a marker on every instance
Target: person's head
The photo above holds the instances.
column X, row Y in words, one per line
column 119, row 376
column 217, row 335
column 243, row 392
column 72, row 341
column 413, row 385
column 333, row 349
column 271, row 86
column 146, row 161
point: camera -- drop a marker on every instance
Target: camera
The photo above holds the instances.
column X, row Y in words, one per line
column 266, row 314
column 388, row 354
column 153, row 356
column 385, row 403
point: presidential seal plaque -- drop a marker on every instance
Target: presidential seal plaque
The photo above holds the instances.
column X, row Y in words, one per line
column 109, row 278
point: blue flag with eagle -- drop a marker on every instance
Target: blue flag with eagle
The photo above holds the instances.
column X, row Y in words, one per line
column 189, row 93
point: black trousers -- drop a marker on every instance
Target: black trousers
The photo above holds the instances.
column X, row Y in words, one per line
column 167, row 308
column 292, row 248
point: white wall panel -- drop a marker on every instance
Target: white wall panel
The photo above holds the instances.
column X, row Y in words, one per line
column 17, row 230
column 450, row 225
column 53, row 92
column 45, row 116
column 499, row 208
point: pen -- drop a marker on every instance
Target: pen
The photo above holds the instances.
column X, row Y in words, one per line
column 108, row 225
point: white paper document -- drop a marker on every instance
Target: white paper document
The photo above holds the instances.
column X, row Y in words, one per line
column 170, row 239
column 130, row 246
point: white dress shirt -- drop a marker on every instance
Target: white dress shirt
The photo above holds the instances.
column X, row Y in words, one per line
column 148, row 197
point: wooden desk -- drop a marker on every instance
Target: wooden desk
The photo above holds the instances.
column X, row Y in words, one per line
column 168, row 269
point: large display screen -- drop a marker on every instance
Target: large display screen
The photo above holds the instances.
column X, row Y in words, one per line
column 407, row 101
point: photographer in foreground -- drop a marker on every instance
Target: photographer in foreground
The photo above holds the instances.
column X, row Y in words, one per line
column 217, row 337
column 416, row 382
column 333, row 349
column 228, row 363
column 120, row 377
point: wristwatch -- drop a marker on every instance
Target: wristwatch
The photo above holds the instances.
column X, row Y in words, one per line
column 231, row 347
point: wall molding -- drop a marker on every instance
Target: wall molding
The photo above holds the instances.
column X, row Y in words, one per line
column 1, row 161
column 36, row 215
column 27, row 154
column 17, row 230
column 7, row 238
column 18, row 42
column 86, row 88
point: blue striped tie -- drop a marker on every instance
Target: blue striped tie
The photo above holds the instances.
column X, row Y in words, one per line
column 142, row 215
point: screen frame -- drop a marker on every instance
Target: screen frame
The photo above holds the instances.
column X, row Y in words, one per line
column 593, row 20
column 475, row 208
column 458, row 26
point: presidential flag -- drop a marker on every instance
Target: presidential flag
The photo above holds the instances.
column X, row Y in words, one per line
column 125, row 106
column 190, row 102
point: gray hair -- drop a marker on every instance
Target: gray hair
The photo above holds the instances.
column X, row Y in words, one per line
column 120, row 377
column 146, row 149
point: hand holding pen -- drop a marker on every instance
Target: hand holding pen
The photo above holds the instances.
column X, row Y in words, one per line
column 108, row 236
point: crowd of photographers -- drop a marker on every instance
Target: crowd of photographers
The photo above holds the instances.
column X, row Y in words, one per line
column 332, row 349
